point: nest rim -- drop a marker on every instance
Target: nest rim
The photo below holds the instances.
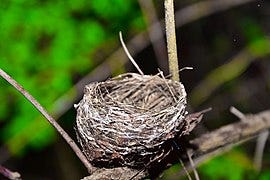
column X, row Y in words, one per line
column 114, row 147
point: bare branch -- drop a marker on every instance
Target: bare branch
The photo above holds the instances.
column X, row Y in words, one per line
column 37, row 105
column 232, row 133
column 193, row 165
column 128, row 54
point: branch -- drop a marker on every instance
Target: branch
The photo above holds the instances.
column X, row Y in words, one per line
column 171, row 39
column 37, row 105
column 251, row 126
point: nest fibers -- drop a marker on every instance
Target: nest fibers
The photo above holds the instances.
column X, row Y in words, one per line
column 128, row 120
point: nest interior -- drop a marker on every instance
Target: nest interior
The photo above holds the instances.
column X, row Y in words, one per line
column 128, row 119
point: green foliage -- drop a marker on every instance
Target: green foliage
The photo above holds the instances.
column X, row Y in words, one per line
column 265, row 175
column 44, row 44
column 234, row 165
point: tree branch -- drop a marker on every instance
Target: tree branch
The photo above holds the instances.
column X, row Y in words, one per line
column 251, row 126
column 171, row 39
column 51, row 120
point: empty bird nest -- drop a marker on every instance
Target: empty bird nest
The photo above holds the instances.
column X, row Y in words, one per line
column 129, row 119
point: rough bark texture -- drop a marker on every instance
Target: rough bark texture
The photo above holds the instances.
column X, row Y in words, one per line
column 227, row 135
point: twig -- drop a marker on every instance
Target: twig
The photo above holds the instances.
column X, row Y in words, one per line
column 128, row 54
column 185, row 169
column 237, row 113
column 37, row 105
column 177, row 150
column 193, row 165
column 261, row 141
column 9, row 174
column 171, row 39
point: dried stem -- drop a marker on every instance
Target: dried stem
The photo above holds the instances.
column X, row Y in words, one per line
column 128, row 54
column 193, row 166
column 261, row 141
column 171, row 39
column 251, row 126
column 51, row 120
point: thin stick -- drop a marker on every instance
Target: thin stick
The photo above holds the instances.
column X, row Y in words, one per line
column 237, row 113
column 193, row 165
column 171, row 39
column 258, row 156
column 261, row 140
column 185, row 169
column 37, row 105
column 128, row 54
column 177, row 148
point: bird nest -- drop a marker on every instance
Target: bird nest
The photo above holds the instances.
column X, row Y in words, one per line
column 127, row 120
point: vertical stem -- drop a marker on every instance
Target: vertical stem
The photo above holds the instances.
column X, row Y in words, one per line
column 171, row 39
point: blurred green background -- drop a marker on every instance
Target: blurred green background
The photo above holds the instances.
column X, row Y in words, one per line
column 54, row 48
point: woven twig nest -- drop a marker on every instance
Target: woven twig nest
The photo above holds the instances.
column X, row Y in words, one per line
column 127, row 120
